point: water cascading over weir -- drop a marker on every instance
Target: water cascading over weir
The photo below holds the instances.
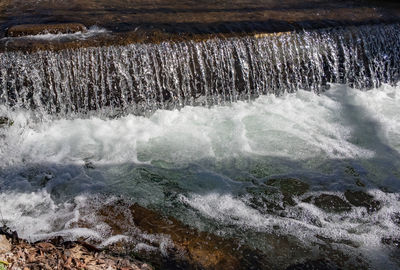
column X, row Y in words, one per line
column 141, row 77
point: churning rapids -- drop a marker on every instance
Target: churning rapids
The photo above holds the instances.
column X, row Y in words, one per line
column 297, row 176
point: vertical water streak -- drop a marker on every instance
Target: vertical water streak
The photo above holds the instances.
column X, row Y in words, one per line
column 143, row 77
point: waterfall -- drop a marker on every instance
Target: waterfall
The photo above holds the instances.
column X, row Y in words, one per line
column 144, row 77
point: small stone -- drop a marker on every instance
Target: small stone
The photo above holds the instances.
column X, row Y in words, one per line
column 5, row 245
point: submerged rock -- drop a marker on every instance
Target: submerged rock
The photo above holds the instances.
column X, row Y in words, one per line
column 289, row 187
column 267, row 200
column 330, row 203
column 276, row 194
column 361, row 199
column 192, row 249
column 38, row 29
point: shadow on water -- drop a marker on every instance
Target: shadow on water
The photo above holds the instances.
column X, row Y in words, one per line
column 367, row 132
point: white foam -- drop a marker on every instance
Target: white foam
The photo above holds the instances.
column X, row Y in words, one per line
column 114, row 239
column 226, row 209
column 35, row 216
column 32, row 214
column 144, row 247
column 296, row 126
column 364, row 230
column 382, row 105
column 91, row 32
